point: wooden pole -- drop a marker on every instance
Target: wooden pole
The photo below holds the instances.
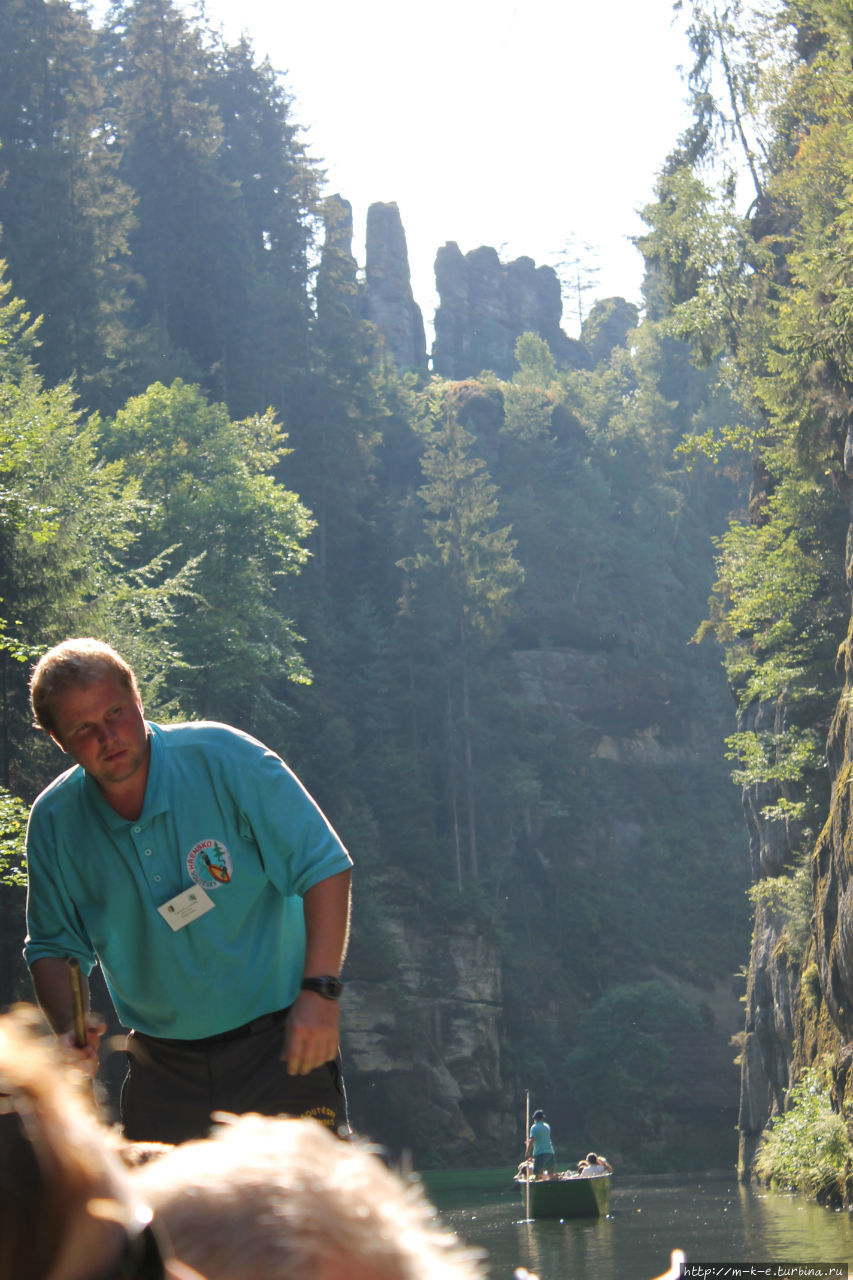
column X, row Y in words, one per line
column 527, row 1166
column 77, row 1006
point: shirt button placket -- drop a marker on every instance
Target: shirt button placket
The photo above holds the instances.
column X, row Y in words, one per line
column 147, row 853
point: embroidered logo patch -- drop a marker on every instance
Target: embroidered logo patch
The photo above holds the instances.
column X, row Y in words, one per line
column 325, row 1115
column 209, row 864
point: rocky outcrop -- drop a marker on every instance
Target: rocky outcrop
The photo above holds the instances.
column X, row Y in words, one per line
column 825, row 1008
column 421, row 1043
column 390, row 305
column 833, row 866
column 773, row 982
column 486, row 305
column 607, row 326
column 768, row 1040
column 384, row 297
column 338, row 294
column 800, row 1007
column 599, row 690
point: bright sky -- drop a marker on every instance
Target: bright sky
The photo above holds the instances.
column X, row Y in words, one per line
column 521, row 124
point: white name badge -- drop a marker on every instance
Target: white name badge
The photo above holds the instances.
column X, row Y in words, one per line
column 186, row 907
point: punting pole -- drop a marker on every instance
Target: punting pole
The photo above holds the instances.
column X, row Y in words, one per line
column 526, row 1165
column 77, row 1009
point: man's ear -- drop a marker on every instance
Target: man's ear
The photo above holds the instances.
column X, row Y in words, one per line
column 57, row 741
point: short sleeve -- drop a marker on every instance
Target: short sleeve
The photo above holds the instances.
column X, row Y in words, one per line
column 53, row 925
column 297, row 843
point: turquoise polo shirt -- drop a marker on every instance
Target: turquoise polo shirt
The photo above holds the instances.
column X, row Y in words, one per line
column 540, row 1132
column 222, row 812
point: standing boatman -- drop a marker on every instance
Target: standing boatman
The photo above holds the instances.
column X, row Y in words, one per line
column 190, row 862
column 540, row 1144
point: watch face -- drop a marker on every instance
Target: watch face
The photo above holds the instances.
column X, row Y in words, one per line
column 331, row 988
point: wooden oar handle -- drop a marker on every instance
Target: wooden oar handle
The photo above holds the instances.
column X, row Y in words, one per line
column 77, row 1009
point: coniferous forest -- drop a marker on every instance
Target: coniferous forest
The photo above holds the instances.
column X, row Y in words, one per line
column 558, row 651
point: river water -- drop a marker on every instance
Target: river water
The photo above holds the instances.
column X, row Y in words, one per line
column 712, row 1219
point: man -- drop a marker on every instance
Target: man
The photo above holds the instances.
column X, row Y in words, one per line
column 191, row 863
column 539, row 1143
column 595, row 1166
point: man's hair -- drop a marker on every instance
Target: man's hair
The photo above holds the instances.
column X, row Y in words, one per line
column 264, row 1197
column 74, row 664
column 54, row 1164
column 268, row 1197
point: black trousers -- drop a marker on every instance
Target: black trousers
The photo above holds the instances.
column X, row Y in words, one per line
column 173, row 1086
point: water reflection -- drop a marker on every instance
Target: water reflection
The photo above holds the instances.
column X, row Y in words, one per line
column 790, row 1223
column 714, row 1220
column 577, row 1247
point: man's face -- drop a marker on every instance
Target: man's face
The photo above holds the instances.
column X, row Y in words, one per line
column 101, row 727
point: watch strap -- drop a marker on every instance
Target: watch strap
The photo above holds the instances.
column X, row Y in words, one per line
column 325, row 985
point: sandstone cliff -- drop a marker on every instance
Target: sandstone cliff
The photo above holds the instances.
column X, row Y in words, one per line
column 824, row 1007
column 484, row 307
column 438, row 1024
column 800, row 986
column 337, row 278
column 384, row 296
column 390, row 303
column 767, row 1040
column 422, row 1042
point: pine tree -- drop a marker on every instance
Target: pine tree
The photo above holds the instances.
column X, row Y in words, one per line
column 263, row 157
column 462, row 579
column 65, row 214
column 169, row 135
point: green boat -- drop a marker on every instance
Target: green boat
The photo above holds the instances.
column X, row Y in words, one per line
column 568, row 1197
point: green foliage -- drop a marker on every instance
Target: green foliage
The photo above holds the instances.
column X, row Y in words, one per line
column 536, row 365
column 495, row 586
column 155, row 202
column 622, row 1057
column 64, row 212
column 783, row 756
column 472, row 559
column 206, row 480
column 71, row 528
column 789, row 897
column 18, row 340
column 808, row 1147
column 13, row 826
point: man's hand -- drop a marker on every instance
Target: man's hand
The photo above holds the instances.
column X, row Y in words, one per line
column 311, row 1029
column 85, row 1057
column 52, row 982
column 310, row 1033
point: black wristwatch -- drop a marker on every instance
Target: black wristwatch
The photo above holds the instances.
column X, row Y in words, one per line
column 326, row 986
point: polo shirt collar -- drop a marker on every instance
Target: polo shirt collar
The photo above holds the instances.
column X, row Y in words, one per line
column 156, row 799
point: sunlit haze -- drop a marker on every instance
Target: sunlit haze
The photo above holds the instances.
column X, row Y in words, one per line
column 519, row 125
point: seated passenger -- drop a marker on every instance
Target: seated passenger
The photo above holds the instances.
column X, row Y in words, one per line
column 596, row 1166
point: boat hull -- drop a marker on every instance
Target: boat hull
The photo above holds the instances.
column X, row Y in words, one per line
column 569, row 1197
